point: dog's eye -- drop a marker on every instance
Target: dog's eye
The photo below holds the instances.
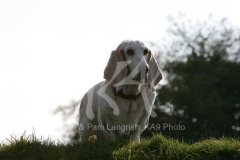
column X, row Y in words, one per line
column 145, row 51
column 130, row 52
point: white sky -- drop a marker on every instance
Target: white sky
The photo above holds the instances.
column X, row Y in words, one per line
column 53, row 51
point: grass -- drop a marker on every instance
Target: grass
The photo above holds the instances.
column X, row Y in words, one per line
column 158, row 147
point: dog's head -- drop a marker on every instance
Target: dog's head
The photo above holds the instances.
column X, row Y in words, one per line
column 131, row 65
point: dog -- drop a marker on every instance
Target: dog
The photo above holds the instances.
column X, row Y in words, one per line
column 120, row 106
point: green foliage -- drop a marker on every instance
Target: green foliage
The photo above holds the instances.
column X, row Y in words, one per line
column 158, row 147
column 203, row 81
column 31, row 148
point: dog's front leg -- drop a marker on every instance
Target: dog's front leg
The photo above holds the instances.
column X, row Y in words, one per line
column 142, row 125
column 114, row 135
column 136, row 136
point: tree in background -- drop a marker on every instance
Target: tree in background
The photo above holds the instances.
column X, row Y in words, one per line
column 203, row 82
column 70, row 116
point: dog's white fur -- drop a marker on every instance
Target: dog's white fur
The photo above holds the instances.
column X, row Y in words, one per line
column 131, row 68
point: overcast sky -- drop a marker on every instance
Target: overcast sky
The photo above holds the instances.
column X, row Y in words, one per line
column 53, row 51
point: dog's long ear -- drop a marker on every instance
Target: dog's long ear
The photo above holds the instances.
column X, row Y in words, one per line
column 154, row 74
column 116, row 69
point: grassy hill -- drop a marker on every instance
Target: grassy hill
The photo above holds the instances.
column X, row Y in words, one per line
column 158, row 147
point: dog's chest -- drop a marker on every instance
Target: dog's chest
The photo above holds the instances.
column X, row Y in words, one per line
column 132, row 108
column 129, row 111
